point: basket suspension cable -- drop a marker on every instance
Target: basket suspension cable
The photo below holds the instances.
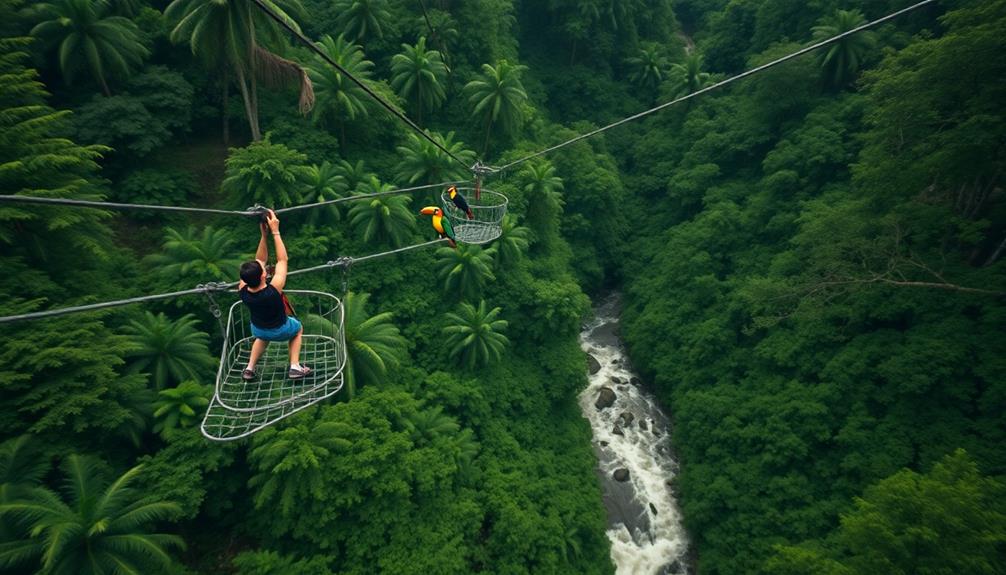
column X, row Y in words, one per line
column 200, row 289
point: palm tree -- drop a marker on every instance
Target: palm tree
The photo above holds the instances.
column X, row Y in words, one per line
column 288, row 463
column 265, row 173
column 323, row 183
column 339, row 99
column 497, row 96
column 87, row 36
column 171, row 351
column 418, row 75
column 570, row 542
column 473, row 334
column 355, row 175
column 93, row 527
column 687, row 77
column 842, row 60
column 362, row 18
column 383, row 218
column 511, row 244
column 373, row 343
column 21, row 468
column 205, row 256
column 424, row 163
column 180, row 407
column 647, row 69
column 544, row 193
column 425, row 425
column 232, row 36
column 464, row 270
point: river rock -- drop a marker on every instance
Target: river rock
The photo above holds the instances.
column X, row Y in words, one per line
column 604, row 444
column 616, row 379
column 593, row 366
column 626, row 418
column 617, row 430
column 621, row 474
column 605, row 398
column 642, row 424
column 635, row 381
column 616, row 361
column 653, row 508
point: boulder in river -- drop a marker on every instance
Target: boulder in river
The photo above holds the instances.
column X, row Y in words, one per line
column 605, row 398
column 616, row 379
column 617, row 430
column 604, row 444
column 635, row 381
column 626, row 418
column 653, row 508
column 642, row 424
column 621, row 474
column 593, row 366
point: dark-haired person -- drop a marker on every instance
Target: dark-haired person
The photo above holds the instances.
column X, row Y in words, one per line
column 269, row 318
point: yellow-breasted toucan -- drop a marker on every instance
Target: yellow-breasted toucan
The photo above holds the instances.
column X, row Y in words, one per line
column 460, row 202
column 441, row 224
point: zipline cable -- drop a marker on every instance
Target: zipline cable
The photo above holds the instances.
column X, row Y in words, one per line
column 712, row 87
column 247, row 213
column 207, row 288
column 387, row 106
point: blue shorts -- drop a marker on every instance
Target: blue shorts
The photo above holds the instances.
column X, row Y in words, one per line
column 285, row 332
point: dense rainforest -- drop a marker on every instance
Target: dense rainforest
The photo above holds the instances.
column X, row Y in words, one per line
column 811, row 260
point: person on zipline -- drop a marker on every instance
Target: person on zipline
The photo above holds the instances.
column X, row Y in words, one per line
column 271, row 317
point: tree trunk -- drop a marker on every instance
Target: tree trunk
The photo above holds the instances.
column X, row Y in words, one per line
column 249, row 110
column 489, row 131
column 104, row 87
column 252, row 73
column 995, row 255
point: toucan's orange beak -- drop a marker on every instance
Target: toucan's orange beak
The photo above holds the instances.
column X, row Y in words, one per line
column 428, row 210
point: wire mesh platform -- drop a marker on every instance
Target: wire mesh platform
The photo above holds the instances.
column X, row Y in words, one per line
column 488, row 210
column 240, row 408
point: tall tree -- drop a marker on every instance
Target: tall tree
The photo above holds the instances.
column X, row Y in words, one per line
column 497, row 97
column 464, row 270
column 474, row 334
column 687, row 77
column 339, row 99
column 841, row 61
column 426, row 425
column 264, row 173
column 419, row 75
column 93, row 527
column 86, row 35
column 361, row 19
column 171, row 351
column 236, row 36
column 511, row 244
column 323, row 183
column 544, row 200
column 386, row 219
column 424, row 163
column 199, row 256
column 648, row 67
column 373, row 343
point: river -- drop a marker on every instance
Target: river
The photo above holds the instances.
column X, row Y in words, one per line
column 633, row 435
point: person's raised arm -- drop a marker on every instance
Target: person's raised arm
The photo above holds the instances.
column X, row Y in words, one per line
column 279, row 275
column 262, row 253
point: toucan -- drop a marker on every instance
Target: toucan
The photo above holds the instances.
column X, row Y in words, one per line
column 460, row 202
column 441, row 224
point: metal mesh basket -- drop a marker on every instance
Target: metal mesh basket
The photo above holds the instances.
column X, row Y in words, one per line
column 488, row 209
column 239, row 408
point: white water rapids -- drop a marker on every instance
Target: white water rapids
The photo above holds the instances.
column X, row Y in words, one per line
column 644, row 522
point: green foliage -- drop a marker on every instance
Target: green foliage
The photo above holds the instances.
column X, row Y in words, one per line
column 686, row 77
column 267, row 174
column 180, row 407
column 512, row 243
column 842, row 60
column 373, row 343
column 86, row 36
column 21, row 468
column 198, row 257
column 323, row 183
column 383, row 219
column 94, row 526
column 497, row 98
column 424, row 163
column 361, row 19
column 156, row 187
column 419, row 76
column 950, row 520
column 269, row 562
column 464, row 271
column 170, row 351
column 339, row 99
column 473, row 334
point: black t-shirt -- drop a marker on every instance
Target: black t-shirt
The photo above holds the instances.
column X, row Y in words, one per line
column 266, row 307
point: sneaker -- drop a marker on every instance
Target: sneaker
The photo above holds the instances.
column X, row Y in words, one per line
column 299, row 373
column 248, row 374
